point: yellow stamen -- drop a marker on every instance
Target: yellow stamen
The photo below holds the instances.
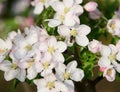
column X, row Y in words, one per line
column 109, row 71
column 66, row 75
column 50, row 85
column 28, row 47
column 73, row 32
column 45, row 65
column 112, row 57
column 14, row 66
column 66, row 10
column 2, row 51
column 51, row 49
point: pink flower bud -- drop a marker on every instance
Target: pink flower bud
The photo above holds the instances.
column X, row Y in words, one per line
column 91, row 6
column 94, row 46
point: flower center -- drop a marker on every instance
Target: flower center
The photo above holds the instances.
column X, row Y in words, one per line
column 45, row 65
column 73, row 32
column 30, row 63
column 28, row 47
column 2, row 51
column 112, row 25
column 62, row 18
column 66, row 75
column 43, row 1
column 51, row 49
column 50, row 85
column 109, row 71
column 66, row 10
column 112, row 57
column 14, row 66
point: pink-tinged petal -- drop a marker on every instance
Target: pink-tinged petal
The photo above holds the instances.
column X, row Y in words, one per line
column 83, row 29
column 68, row 4
column 104, row 62
column 60, row 87
column 77, row 75
column 82, row 40
column 46, row 57
column 110, row 73
column 11, row 35
column 38, row 8
column 11, row 74
column 21, row 75
column 105, row 50
column 63, row 30
column 46, row 72
column 50, row 77
column 61, row 46
column 91, row 6
column 58, row 57
column 58, row 6
column 53, row 22
column 77, row 9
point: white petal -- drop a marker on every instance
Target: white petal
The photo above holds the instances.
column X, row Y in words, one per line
column 104, row 62
column 77, row 75
column 5, row 65
column 21, row 75
column 69, row 21
column 77, row 9
column 31, row 73
column 11, row 74
column 70, row 85
column 61, row 46
column 68, row 4
column 78, row 1
column 58, row 6
column 105, row 50
column 53, row 22
column 58, row 57
column 71, row 66
column 59, row 86
column 83, row 29
column 38, row 8
column 118, row 56
column 63, row 30
column 82, row 40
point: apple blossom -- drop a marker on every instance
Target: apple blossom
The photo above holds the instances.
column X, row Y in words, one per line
column 77, row 33
column 66, row 13
column 50, row 84
column 94, row 46
column 113, row 26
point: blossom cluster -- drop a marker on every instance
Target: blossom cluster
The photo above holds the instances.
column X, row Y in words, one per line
column 32, row 53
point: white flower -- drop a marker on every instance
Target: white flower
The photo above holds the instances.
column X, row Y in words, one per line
column 5, row 47
column 66, row 13
column 113, row 26
column 77, row 33
column 24, row 46
column 54, row 48
column 69, row 72
column 109, row 73
column 50, row 84
column 12, row 71
column 94, row 46
column 40, row 4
